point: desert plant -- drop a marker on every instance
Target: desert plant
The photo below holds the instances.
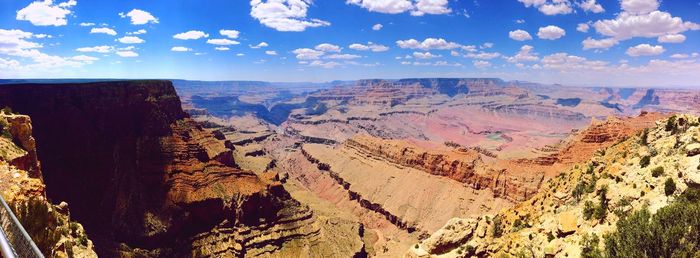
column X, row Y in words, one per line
column 589, row 246
column 669, row 186
column 657, row 171
column 644, row 138
column 588, row 209
column 644, row 162
column 497, row 227
column 671, row 125
column 7, row 110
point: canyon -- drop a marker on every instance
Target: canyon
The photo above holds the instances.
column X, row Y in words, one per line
column 380, row 168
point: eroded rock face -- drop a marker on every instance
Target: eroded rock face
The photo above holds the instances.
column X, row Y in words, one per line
column 145, row 179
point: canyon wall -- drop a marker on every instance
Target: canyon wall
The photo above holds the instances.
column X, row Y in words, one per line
column 147, row 180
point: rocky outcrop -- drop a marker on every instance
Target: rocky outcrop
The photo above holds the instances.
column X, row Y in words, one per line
column 587, row 199
column 147, row 180
column 21, row 185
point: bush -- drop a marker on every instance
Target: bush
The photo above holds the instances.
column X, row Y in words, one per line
column 497, row 228
column 5, row 129
column 671, row 125
column 669, row 187
column 7, row 110
column 588, row 209
column 644, row 138
column 470, row 249
column 657, row 171
column 674, row 231
column 644, row 162
column 589, row 246
column 578, row 190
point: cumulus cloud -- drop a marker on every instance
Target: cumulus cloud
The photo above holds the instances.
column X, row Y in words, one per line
column 415, row 7
column 127, row 53
column 326, row 47
column 640, row 20
column 222, row 42
column 481, row 64
column 342, row 56
column 107, row 31
column 222, row 48
column 590, row 43
column 519, row 35
column 96, row 49
column 46, row 13
column 583, row 27
column 370, row 46
column 233, row 34
column 377, row 26
column 139, row 17
column 131, row 40
column 549, row 7
column 259, row 45
column 645, row 50
column 284, row 15
column 672, row 38
column 307, row 53
column 425, row 55
column 323, row 64
column 591, row 6
column 483, row 55
column 551, row 32
column 180, row 49
column 15, row 43
column 138, row 32
column 427, row 44
column 193, row 34
column 271, row 52
column 524, row 55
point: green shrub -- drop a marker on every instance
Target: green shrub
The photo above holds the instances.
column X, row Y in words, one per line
column 497, row 227
column 588, row 209
column 657, row 171
column 589, row 246
column 550, row 236
column 579, row 190
column 470, row 249
column 7, row 110
column 674, row 231
column 669, row 187
column 644, row 137
column 671, row 125
column 416, row 246
column 644, row 162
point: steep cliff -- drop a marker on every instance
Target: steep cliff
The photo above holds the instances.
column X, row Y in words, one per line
column 22, row 186
column 145, row 179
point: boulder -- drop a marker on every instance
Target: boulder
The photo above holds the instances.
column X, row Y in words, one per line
column 568, row 223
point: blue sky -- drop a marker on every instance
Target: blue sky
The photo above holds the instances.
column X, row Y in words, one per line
column 575, row 42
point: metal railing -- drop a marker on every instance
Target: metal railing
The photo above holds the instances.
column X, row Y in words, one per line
column 14, row 240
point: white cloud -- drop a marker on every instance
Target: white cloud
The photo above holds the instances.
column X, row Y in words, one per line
column 377, row 26
column 193, row 34
column 326, row 47
column 97, row 49
column 370, row 46
column 672, row 38
column 519, row 35
column 483, row 55
column 271, row 52
column 639, row 6
column 107, row 31
column 240, row 54
column 481, row 64
column 680, row 56
column 180, row 49
column 426, row 55
column 486, row 45
column 222, row 42
column 16, row 43
column 45, row 13
column 138, row 32
column 131, row 40
column 590, row 43
column 328, row 65
column 650, row 25
column 583, row 27
column 307, row 53
column 222, row 48
column 259, row 45
column 139, row 17
column 427, row 44
column 127, row 53
column 419, row 8
column 591, row 6
column 645, row 50
column 556, row 8
column 519, row 21
column 342, row 56
column 284, row 15
column 232, row 34
column 84, row 58
column 87, row 24
column 550, row 32
column 454, row 53
column 524, row 55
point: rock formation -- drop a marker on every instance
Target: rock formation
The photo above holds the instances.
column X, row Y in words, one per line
column 147, row 180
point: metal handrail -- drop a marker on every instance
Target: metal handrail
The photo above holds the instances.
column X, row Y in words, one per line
column 14, row 240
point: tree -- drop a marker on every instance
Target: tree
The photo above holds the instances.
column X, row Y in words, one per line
column 669, row 186
column 644, row 162
column 497, row 228
column 589, row 246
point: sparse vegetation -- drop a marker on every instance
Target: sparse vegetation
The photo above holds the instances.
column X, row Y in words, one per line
column 5, row 129
column 497, row 227
column 644, row 162
column 588, row 209
column 36, row 217
column 657, row 171
column 669, row 186
column 644, row 137
column 452, row 144
column 589, row 246
column 671, row 125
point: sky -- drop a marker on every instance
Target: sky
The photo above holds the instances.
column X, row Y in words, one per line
column 571, row 42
